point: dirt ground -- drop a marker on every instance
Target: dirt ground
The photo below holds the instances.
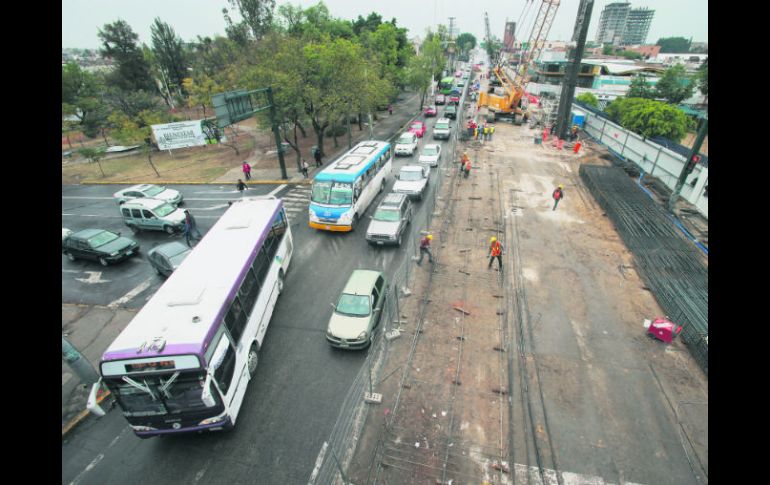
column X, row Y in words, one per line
column 546, row 364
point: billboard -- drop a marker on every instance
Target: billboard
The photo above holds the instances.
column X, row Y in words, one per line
column 182, row 134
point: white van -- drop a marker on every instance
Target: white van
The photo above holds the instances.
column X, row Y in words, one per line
column 406, row 144
column 152, row 215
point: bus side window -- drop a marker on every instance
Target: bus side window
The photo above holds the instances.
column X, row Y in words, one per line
column 248, row 291
column 225, row 371
column 261, row 266
column 279, row 225
column 235, row 320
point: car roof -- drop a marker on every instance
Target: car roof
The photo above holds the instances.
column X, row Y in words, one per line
column 435, row 145
column 411, row 168
column 361, row 282
column 443, row 120
column 139, row 187
column 87, row 233
column 409, row 134
column 169, row 248
column 415, row 122
column 392, row 199
column 147, row 203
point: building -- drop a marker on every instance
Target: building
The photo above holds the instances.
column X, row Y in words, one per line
column 637, row 26
column 619, row 24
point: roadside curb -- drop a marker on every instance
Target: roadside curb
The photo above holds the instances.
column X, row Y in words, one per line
column 81, row 416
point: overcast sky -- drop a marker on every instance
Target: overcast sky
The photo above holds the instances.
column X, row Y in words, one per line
column 81, row 19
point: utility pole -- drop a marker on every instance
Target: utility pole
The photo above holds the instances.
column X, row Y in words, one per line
column 450, row 44
column 689, row 165
column 573, row 67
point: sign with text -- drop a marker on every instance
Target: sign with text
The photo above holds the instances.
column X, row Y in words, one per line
column 183, row 134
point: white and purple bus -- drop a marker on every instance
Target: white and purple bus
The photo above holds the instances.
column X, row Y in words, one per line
column 184, row 361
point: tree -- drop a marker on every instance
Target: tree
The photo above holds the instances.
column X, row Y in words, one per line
column 170, row 55
column 200, row 90
column 119, row 43
column 630, row 54
column 589, row 99
column 640, row 88
column 607, row 50
column 673, row 45
column 674, row 85
column 648, row 117
column 257, row 14
column 138, row 129
column 93, row 155
column 465, row 42
column 703, row 77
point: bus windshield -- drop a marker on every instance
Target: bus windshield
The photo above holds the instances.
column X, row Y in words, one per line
column 155, row 395
column 332, row 193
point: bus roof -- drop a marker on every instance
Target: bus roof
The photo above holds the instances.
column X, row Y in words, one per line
column 354, row 162
column 186, row 308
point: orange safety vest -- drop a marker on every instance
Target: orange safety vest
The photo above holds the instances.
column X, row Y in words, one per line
column 495, row 248
column 468, row 166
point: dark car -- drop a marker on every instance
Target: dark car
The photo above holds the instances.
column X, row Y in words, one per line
column 98, row 245
column 165, row 258
column 451, row 112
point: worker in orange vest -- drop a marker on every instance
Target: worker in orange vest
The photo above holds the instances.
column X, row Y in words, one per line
column 425, row 249
column 467, row 168
column 495, row 251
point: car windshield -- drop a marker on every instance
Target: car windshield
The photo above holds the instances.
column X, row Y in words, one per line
column 450, row 109
column 430, row 151
column 353, row 305
column 417, row 126
column 405, row 139
column 386, row 215
column 152, row 395
column 153, row 190
column 164, row 210
column 411, row 175
column 442, row 126
column 101, row 239
column 332, row 193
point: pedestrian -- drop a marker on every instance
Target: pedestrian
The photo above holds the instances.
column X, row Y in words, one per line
column 241, row 186
column 558, row 194
column 317, row 156
column 247, row 170
column 574, row 134
column 190, row 226
column 425, row 248
column 476, row 133
column 390, row 109
column 495, row 251
column 305, row 166
column 486, row 132
column 467, row 168
column 492, row 131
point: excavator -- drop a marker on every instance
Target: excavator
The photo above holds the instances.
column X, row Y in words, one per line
column 506, row 86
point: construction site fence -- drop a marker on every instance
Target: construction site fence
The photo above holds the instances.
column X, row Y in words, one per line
column 652, row 159
column 352, row 416
column 670, row 266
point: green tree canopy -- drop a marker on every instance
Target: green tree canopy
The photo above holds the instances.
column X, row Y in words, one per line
column 673, row 45
column 640, row 88
column 168, row 50
column 648, row 117
column 465, row 42
column 257, row 15
column 589, row 99
column 703, row 77
column 119, row 42
column 674, row 85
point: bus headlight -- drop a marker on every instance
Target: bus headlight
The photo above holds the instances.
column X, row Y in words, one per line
column 345, row 218
column 143, row 428
column 213, row 420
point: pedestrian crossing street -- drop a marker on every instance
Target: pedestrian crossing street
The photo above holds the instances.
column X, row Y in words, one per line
column 296, row 202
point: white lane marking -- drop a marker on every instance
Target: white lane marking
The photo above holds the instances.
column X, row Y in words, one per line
column 96, row 460
column 295, row 197
column 93, row 277
column 202, row 471
column 277, row 189
column 131, row 294
column 318, row 462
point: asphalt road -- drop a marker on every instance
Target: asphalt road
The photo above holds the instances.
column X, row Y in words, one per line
column 291, row 406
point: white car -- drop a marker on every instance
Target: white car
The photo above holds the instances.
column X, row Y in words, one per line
column 442, row 129
column 431, row 154
column 406, row 144
column 412, row 180
column 149, row 191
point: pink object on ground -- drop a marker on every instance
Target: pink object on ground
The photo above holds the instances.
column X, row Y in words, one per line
column 664, row 329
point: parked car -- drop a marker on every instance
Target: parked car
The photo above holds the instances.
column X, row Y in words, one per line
column 165, row 258
column 431, row 154
column 412, row 180
column 406, row 144
column 390, row 220
column 442, row 128
column 98, row 245
column 358, row 310
column 430, row 111
column 418, row 128
column 65, row 233
column 153, row 215
column 440, row 99
column 150, row 191
column 450, row 112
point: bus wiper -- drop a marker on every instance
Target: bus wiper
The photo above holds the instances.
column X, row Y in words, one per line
column 141, row 387
column 165, row 385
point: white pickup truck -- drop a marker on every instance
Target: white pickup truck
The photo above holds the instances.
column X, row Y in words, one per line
column 412, row 180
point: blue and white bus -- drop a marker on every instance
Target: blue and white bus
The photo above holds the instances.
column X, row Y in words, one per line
column 343, row 190
column 183, row 363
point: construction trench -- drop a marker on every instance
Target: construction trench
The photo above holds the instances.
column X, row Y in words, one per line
column 541, row 374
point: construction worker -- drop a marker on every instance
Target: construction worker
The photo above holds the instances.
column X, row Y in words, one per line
column 558, row 194
column 491, row 131
column 476, row 133
column 425, row 248
column 486, row 132
column 495, row 251
column 467, row 168
column 574, row 133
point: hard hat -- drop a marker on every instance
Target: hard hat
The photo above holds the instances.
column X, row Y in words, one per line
column 493, row 239
column 429, row 237
column 561, row 186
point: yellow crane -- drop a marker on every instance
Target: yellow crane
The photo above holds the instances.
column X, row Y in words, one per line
column 505, row 99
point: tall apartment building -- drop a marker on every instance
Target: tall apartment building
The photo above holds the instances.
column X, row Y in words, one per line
column 619, row 24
